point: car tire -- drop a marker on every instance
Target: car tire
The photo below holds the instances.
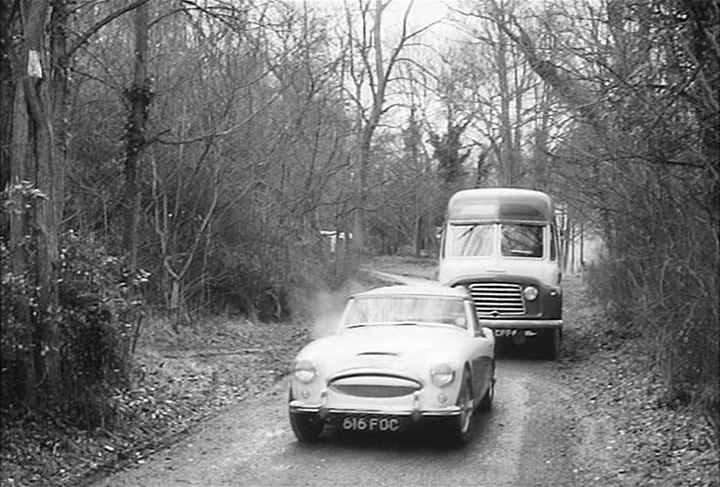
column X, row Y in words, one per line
column 554, row 345
column 306, row 426
column 487, row 400
column 461, row 427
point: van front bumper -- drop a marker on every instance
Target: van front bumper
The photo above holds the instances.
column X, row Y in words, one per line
column 536, row 325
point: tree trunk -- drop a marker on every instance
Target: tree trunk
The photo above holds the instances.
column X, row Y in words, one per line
column 8, row 85
column 507, row 161
column 35, row 159
column 359, row 221
column 705, row 17
column 20, row 222
column 378, row 85
column 138, row 102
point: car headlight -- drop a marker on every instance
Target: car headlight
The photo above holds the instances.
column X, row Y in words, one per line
column 442, row 375
column 530, row 293
column 304, row 371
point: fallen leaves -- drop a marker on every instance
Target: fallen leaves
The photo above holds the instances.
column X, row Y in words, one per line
column 179, row 382
column 619, row 402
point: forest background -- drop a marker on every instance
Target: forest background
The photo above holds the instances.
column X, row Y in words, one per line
column 195, row 158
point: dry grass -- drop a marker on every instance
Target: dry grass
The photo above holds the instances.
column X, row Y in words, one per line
column 627, row 434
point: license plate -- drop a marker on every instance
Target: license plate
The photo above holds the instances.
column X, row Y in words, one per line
column 505, row 333
column 371, row 423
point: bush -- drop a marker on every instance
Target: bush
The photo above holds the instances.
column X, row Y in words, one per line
column 15, row 336
column 97, row 321
column 672, row 302
column 272, row 275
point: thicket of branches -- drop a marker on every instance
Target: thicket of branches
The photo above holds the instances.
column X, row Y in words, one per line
column 192, row 156
column 656, row 163
column 207, row 149
column 638, row 159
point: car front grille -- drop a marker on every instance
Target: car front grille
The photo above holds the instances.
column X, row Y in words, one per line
column 497, row 299
column 374, row 386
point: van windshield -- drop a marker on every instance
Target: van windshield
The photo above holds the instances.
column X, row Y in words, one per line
column 471, row 240
column 478, row 240
column 522, row 240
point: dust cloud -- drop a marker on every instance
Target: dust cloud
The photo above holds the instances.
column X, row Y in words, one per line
column 327, row 308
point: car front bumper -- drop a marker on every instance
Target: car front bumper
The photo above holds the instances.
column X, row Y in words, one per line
column 414, row 411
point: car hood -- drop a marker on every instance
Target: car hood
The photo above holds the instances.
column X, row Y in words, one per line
column 413, row 348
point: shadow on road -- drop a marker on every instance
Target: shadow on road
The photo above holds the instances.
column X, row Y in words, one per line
column 533, row 349
column 418, row 439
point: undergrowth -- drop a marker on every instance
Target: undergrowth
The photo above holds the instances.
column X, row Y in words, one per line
column 631, row 434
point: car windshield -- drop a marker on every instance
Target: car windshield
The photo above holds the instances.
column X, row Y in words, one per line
column 400, row 310
column 522, row 240
column 471, row 240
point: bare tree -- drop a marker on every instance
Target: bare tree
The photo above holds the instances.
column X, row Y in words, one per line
column 641, row 81
column 371, row 72
column 34, row 158
column 39, row 66
column 138, row 97
column 504, row 96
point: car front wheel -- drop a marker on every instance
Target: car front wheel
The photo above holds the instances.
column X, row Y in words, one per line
column 487, row 400
column 306, row 426
column 461, row 426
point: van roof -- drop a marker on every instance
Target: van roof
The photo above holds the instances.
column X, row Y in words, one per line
column 500, row 204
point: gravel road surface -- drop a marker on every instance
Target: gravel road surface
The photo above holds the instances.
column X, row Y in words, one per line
column 526, row 440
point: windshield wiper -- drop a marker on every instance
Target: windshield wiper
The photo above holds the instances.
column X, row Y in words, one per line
column 383, row 323
column 469, row 230
column 358, row 325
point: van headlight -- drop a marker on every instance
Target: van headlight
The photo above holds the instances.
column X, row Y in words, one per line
column 442, row 375
column 304, row 371
column 530, row 293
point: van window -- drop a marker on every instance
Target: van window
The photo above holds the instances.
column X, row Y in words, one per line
column 522, row 240
column 471, row 240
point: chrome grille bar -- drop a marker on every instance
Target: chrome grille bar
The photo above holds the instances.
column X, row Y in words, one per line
column 497, row 299
column 374, row 386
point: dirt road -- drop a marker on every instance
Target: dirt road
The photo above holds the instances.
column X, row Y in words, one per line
column 526, row 440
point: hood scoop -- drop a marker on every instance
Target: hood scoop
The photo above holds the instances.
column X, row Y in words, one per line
column 378, row 354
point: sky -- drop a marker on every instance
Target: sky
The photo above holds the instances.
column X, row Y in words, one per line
column 432, row 42
column 424, row 12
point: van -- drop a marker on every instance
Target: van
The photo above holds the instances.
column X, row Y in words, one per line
column 502, row 244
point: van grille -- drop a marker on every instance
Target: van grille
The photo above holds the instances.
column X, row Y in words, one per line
column 497, row 299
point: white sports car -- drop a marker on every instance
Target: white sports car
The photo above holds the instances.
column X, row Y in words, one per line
column 403, row 355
